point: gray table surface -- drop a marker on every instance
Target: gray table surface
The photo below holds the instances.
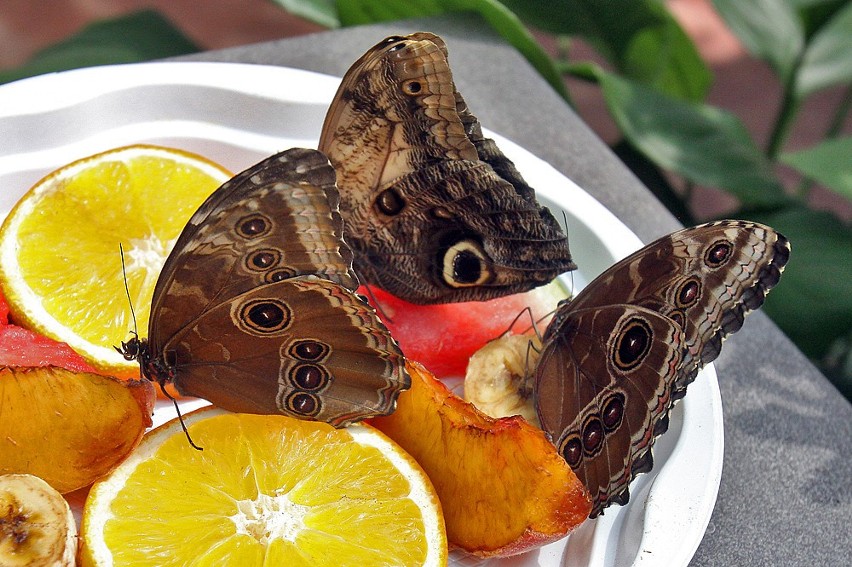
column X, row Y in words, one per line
column 786, row 491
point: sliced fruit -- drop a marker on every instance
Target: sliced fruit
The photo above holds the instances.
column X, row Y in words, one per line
column 4, row 309
column 499, row 377
column 503, row 487
column 69, row 428
column 265, row 490
column 60, row 265
column 443, row 337
column 36, row 524
column 22, row 347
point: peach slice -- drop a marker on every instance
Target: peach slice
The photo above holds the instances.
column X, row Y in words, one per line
column 503, row 487
column 69, row 428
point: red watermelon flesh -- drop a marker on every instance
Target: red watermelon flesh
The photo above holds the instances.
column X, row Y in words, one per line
column 22, row 347
column 443, row 337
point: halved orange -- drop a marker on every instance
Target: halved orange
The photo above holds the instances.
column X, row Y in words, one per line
column 60, row 265
column 265, row 490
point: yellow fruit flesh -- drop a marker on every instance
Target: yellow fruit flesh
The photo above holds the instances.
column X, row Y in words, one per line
column 262, row 495
column 67, row 281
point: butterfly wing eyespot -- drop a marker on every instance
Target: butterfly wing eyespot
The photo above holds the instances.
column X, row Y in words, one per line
column 254, row 225
column 263, row 259
column 311, row 350
column 465, row 263
column 302, row 404
column 262, row 316
column 390, row 203
column 688, row 292
column 309, row 377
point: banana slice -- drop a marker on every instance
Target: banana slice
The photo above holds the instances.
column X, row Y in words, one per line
column 497, row 380
column 36, row 524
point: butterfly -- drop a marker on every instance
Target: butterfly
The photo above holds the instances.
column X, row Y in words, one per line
column 433, row 210
column 617, row 357
column 255, row 310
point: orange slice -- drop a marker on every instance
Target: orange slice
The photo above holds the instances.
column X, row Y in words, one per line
column 60, row 265
column 265, row 490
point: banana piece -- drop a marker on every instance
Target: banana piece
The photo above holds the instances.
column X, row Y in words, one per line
column 37, row 527
column 497, row 380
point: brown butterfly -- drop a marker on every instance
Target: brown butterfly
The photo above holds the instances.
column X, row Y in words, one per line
column 433, row 211
column 616, row 358
column 254, row 309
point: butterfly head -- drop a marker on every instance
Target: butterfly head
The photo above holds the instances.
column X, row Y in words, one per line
column 139, row 350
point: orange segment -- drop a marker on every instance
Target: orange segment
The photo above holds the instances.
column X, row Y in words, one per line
column 266, row 490
column 60, row 265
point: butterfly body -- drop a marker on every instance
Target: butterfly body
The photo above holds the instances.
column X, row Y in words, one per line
column 434, row 212
column 255, row 308
column 618, row 356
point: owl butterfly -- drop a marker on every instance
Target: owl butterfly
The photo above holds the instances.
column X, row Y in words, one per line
column 616, row 358
column 434, row 212
column 254, row 309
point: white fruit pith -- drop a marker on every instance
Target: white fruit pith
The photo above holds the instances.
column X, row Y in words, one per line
column 36, row 524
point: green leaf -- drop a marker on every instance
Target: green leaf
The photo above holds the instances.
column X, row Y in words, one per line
column 140, row 36
column 827, row 59
column 813, row 302
column 640, row 38
column 503, row 20
column 829, row 163
column 770, row 29
column 704, row 144
column 321, row 12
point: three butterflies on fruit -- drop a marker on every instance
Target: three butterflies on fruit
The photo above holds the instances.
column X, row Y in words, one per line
column 255, row 309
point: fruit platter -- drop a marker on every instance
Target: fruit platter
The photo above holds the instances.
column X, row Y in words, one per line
column 230, row 117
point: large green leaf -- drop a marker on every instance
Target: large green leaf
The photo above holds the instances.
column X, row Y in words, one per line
column 141, row 36
column 829, row 163
column 503, row 20
column 704, row 144
column 640, row 38
column 321, row 12
column 828, row 58
column 813, row 302
column 770, row 29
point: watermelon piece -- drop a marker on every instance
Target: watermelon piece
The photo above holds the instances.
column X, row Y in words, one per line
column 4, row 310
column 443, row 337
column 22, row 347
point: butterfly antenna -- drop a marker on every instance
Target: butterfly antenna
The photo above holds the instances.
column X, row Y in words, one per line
column 127, row 289
column 135, row 331
column 180, row 418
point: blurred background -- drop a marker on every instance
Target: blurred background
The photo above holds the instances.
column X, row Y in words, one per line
column 768, row 81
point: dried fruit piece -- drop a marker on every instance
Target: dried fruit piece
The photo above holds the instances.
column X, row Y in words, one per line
column 503, row 487
column 36, row 524
column 266, row 490
column 69, row 428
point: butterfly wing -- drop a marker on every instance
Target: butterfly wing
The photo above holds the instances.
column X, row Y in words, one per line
column 304, row 347
column 254, row 308
column 601, row 391
column 705, row 278
column 434, row 212
column 692, row 287
column 276, row 220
